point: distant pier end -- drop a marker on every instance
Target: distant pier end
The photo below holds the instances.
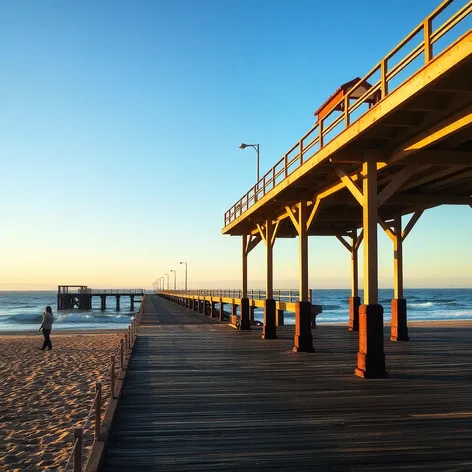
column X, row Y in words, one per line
column 70, row 297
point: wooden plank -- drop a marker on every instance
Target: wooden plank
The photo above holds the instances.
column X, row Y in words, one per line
column 201, row 396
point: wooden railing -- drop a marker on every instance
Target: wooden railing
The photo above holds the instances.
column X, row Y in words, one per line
column 281, row 295
column 76, row 457
column 331, row 125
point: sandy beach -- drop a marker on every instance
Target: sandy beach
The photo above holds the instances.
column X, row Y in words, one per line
column 43, row 394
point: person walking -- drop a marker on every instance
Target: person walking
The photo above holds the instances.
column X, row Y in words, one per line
column 46, row 326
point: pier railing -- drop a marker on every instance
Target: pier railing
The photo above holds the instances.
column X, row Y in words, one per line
column 282, row 295
column 385, row 77
column 76, row 458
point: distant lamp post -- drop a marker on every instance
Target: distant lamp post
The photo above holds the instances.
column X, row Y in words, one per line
column 175, row 279
column 256, row 147
column 167, row 275
column 185, row 275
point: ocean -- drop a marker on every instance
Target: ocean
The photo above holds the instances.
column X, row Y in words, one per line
column 21, row 311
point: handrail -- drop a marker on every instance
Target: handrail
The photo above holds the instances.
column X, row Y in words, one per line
column 281, row 295
column 121, row 353
column 387, row 73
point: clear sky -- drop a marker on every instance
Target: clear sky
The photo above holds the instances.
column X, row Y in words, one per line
column 119, row 130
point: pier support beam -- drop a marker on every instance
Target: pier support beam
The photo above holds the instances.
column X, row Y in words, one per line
column 303, row 339
column 399, row 328
column 280, row 318
column 268, row 234
column 354, row 299
column 117, row 303
column 131, row 303
column 371, row 357
column 245, row 323
column 222, row 311
column 103, row 300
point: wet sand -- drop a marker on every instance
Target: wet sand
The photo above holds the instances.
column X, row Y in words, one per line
column 44, row 394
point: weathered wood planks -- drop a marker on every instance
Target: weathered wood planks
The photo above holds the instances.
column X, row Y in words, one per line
column 202, row 396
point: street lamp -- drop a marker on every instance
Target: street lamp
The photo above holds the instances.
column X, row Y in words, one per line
column 256, row 147
column 167, row 281
column 185, row 274
column 175, row 278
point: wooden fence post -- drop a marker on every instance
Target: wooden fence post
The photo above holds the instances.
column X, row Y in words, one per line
column 77, row 461
column 122, row 360
column 112, row 377
column 98, row 409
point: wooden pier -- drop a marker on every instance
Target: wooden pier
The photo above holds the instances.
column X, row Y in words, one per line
column 202, row 396
column 80, row 297
column 386, row 146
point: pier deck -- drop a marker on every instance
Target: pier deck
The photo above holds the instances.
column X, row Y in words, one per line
column 202, row 396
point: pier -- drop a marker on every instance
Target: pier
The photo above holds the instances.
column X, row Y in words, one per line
column 80, row 297
column 384, row 149
column 200, row 395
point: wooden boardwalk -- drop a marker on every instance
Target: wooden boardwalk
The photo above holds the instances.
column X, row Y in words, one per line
column 200, row 395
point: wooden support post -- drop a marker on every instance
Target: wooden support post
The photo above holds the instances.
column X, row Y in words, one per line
column 234, row 310
column 112, row 377
column 303, row 339
column 251, row 312
column 122, row 355
column 280, row 318
column 371, row 357
column 222, row 311
column 103, row 299
column 98, row 409
column 354, row 299
column 129, row 338
column 117, row 303
column 131, row 302
column 399, row 328
column 244, row 266
column 244, row 324
column 77, row 459
column 269, row 330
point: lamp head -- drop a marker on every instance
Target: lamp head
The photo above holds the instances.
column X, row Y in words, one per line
column 242, row 146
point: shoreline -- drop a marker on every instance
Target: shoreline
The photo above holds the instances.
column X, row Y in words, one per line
column 105, row 331
column 65, row 332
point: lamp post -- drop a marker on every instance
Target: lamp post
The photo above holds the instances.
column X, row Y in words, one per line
column 256, row 147
column 167, row 275
column 185, row 275
column 175, row 278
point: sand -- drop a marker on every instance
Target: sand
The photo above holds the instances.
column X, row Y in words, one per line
column 44, row 394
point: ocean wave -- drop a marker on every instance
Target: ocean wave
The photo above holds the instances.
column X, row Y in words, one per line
column 76, row 318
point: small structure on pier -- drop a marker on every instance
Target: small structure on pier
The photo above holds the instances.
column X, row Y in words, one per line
column 70, row 297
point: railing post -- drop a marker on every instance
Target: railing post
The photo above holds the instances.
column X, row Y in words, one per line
column 126, row 343
column 301, row 151
column 122, row 360
column 273, row 177
column 112, row 376
column 286, row 165
column 320, row 133
column 77, row 461
column 98, row 409
column 383, row 78
column 346, row 110
column 129, row 337
column 428, row 48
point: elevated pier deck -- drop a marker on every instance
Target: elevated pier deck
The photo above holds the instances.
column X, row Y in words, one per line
column 202, row 396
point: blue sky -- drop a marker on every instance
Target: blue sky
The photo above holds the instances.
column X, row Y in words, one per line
column 120, row 128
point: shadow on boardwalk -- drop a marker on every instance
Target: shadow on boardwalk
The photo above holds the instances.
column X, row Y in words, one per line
column 202, row 396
